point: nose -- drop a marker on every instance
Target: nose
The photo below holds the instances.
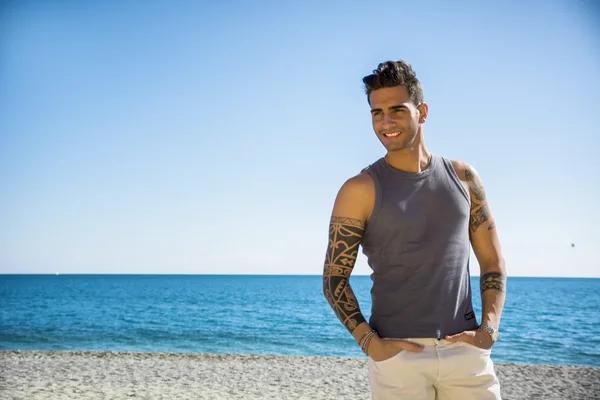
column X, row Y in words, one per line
column 387, row 121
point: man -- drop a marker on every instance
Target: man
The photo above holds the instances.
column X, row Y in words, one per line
column 416, row 214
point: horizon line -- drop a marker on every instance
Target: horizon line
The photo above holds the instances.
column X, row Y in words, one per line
column 209, row 274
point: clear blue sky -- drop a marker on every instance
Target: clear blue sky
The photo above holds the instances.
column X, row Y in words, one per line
column 212, row 137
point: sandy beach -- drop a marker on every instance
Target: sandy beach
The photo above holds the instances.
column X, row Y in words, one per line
column 111, row 375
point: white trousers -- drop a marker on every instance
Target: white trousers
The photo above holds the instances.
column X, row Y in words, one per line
column 442, row 371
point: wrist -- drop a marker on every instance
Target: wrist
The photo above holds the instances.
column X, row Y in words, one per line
column 490, row 319
column 373, row 345
column 366, row 342
column 360, row 331
column 493, row 332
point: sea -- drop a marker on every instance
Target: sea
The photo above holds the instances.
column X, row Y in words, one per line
column 545, row 320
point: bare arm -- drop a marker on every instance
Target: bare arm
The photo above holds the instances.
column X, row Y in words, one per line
column 484, row 239
column 351, row 210
column 345, row 235
column 352, row 207
column 486, row 245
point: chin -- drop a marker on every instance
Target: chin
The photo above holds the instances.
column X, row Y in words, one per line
column 396, row 148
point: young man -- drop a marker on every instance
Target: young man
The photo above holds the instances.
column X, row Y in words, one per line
column 416, row 214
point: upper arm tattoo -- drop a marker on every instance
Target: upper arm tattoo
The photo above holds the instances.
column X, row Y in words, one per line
column 492, row 280
column 479, row 216
column 475, row 185
column 480, row 211
column 345, row 235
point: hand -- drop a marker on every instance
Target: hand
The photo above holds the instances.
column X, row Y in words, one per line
column 381, row 350
column 477, row 338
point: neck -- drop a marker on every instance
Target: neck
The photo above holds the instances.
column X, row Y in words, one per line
column 411, row 159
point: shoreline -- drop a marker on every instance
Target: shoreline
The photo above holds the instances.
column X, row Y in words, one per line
column 37, row 374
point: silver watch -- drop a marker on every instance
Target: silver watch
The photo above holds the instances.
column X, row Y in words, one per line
column 493, row 332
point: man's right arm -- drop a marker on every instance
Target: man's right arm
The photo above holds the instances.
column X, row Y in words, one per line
column 345, row 235
column 353, row 206
column 351, row 210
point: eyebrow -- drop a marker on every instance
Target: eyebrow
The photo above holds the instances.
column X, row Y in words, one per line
column 392, row 108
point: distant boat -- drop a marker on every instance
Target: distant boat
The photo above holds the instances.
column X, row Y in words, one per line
column 57, row 273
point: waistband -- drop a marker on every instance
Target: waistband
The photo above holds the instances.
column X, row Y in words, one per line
column 424, row 341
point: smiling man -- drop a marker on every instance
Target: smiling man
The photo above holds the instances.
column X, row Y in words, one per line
column 416, row 215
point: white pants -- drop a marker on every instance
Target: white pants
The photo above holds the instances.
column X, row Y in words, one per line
column 442, row 371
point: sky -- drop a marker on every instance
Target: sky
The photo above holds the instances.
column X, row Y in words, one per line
column 193, row 137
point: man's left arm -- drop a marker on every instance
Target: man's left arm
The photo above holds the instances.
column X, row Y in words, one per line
column 486, row 246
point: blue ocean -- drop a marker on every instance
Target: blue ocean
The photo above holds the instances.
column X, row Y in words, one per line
column 545, row 321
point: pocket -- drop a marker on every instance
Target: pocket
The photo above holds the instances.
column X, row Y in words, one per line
column 472, row 346
column 395, row 356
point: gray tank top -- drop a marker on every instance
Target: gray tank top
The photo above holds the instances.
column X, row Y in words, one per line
column 417, row 244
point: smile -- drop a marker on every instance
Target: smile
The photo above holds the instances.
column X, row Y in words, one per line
column 391, row 134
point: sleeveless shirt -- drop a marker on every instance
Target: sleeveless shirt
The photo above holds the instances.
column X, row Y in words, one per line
column 417, row 243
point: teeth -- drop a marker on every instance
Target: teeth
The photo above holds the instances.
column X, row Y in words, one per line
column 393, row 134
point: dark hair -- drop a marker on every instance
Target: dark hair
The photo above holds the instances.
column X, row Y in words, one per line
column 395, row 73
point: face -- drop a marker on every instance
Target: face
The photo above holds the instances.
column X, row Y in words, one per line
column 396, row 120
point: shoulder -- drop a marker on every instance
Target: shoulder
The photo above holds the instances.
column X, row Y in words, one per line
column 356, row 197
column 471, row 180
column 464, row 170
column 360, row 185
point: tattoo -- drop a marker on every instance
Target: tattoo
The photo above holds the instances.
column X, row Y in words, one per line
column 475, row 184
column 345, row 235
column 348, row 221
column 479, row 216
column 492, row 280
column 480, row 211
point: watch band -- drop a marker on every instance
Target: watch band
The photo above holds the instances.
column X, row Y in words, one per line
column 491, row 331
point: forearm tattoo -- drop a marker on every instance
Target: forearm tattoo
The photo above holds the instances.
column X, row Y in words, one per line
column 480, row 211
column 345, row 235
column 492, row 281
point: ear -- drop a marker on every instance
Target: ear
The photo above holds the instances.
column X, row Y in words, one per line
column 423, row 111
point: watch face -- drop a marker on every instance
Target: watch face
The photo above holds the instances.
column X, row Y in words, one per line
column 495, row 336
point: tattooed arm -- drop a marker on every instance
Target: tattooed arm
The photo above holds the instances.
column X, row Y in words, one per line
column 351, row 210
column 486, row 246
column 484, row 239
column 345, row 235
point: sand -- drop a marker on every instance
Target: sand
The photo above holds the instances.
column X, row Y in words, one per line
column 53, row 375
